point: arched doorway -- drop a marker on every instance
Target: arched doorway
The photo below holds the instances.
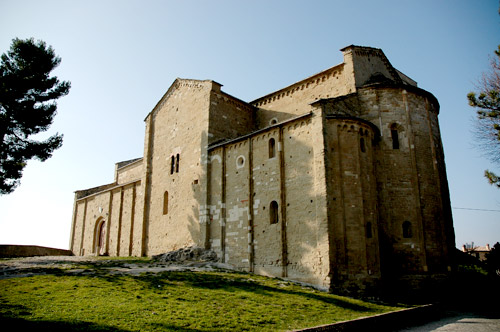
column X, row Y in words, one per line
column 100, row 248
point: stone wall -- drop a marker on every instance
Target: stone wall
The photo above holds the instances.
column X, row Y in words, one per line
column 120, row 210
column 415, row 231
column 175, row 152
column 267, row 202
column 294, row 100
column 130, row 172
column 353, row 212
column 229, row 117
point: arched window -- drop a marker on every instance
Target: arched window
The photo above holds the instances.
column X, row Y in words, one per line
column 407, row 229
column 362, row 144
column 272, row 148
column 273, row 212
column 165, row 202
column 395, row 137
column 369, row 232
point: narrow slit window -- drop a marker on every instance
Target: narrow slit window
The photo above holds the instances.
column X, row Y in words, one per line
column 177, row 164
column 273, row 212
column 395, row 138
column 369, row 232
column 165, row 202
column 362, row 144
column 172, row 164
column 407, row 233
column 272, row 148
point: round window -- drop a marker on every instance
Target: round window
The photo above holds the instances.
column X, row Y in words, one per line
column 240, row 161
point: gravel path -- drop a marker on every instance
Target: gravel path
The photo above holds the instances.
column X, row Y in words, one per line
column 29, row 266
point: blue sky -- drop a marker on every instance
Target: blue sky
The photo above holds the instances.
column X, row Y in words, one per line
column 121, row 57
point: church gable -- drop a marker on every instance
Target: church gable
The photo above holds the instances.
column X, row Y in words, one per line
column 176, row 90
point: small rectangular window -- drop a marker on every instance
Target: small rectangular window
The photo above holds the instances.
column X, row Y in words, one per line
column 177, row 164
column 407, row 232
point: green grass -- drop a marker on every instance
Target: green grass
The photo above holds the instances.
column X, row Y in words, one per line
column 170, row 301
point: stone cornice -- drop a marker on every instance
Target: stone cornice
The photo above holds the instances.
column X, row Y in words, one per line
column 300, row 85
column 128, row 163
column 235, row 101
column 384, row 85
column 244, row 137
column 82, row 194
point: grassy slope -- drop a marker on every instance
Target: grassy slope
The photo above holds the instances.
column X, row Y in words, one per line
column 170, row 301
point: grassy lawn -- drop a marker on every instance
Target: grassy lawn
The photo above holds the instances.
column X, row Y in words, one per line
column 170, row 301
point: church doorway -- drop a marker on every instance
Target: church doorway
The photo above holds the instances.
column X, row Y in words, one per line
column 100, row 249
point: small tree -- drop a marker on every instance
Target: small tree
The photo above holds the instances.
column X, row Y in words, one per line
column 27, row 107
column 487, row 104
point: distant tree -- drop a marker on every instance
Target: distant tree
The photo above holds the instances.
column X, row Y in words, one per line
column 493, row 260
column 487, row 104
column 27, row 107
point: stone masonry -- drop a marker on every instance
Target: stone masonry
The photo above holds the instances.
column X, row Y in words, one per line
column 337, row 180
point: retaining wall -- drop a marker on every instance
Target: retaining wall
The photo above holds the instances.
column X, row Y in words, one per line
column 7, row 250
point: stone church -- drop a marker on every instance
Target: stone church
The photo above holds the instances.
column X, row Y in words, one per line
column 337, row 180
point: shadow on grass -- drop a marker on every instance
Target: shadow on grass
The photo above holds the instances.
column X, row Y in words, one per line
column 19, row 324
column 11, row 319
column 229, row 282
column 16, row 322
column 234, row 282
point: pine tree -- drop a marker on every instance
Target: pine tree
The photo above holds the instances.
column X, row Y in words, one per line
column 27, row 107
